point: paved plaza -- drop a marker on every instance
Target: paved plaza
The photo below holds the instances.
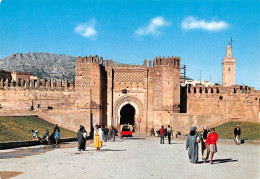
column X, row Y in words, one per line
column 140, row 157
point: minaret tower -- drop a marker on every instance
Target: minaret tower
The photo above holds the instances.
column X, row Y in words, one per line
column 228, row 68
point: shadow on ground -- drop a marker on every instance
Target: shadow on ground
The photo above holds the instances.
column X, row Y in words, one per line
column 176, row 143
column 138, row 138
column 218, row 161
column 110, row 150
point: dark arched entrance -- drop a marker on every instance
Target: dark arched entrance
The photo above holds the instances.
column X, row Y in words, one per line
column 127, row 115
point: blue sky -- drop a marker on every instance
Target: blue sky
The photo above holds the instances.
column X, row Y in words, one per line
column 130, row 31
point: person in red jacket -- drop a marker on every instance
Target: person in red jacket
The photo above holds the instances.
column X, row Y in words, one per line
column 162, row 135
column 211, row 142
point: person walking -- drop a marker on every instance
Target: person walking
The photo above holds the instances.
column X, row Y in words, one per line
column 192, row 144
column 162, row 135
column 237, row 133
column 133, row 130
column 98, row 138
column 114, row 134
column 81, row 138
column 57, row 136
column 205, row 151
column 169, row 134
column 165, row 132
column 152, row 131
column 110, row 135
column 211, row 142
column 106, row 131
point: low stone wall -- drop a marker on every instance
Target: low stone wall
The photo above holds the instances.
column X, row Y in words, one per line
column 17, row 144
column 10, row 145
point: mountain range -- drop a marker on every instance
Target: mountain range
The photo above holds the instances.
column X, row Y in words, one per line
column 43, row 65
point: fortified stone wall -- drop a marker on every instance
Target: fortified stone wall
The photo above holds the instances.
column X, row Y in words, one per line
column 89, row 86
column 52, row 100
column 163, row 90
column 231, row 102
column 37, row 95
column 152, row 90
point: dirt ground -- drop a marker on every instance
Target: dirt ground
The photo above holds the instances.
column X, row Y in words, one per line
column 140, row 157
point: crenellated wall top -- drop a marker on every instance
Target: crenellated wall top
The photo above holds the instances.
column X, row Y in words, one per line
column 49, row 84
column 158, row 61
column 219, row 89
column 90, row 59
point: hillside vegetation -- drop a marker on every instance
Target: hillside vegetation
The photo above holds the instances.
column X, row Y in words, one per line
column 19, row 128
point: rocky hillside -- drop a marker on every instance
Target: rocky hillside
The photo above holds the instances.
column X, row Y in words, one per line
column 44, row 65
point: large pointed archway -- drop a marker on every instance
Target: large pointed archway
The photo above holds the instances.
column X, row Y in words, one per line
column 127, row 115
column 126, row 100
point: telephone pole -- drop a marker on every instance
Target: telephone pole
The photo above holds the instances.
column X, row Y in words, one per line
column 200, row 75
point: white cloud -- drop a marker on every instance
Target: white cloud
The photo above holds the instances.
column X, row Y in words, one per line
column 0, row 1
column 195, row 23
column 153, row 27
column 87, row 29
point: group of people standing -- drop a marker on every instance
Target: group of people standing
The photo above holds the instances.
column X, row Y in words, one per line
column 100, row 135
column 164, row 132
column 208, row 140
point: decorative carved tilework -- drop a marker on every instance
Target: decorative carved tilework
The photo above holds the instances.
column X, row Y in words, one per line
column 131, row 77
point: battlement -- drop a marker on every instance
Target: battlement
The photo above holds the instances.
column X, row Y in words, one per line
column 171, row 61
column 89, row 59
column 219, row 89
column 48, row 84
column 111, row 63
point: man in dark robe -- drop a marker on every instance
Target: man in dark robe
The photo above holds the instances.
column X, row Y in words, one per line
column 81, row 139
